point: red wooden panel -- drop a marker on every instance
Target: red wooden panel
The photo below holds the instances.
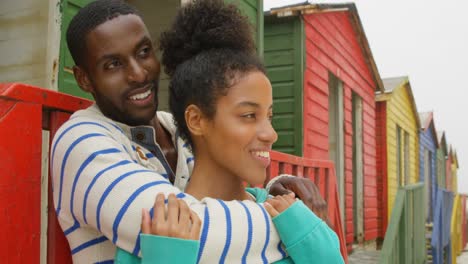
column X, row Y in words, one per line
column 47, row 98
column 381, row 133
column 58, row 250
column 323, row 174
column 20, row 185
column 24, row 111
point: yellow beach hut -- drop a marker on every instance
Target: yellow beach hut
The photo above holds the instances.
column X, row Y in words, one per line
column 397, row 142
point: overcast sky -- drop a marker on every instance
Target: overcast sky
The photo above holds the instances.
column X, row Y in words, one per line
column 428, row 41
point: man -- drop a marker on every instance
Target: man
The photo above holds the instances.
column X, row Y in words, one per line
column 109, row 161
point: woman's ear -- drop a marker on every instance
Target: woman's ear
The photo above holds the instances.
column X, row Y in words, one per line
column 194, row 120
column 82, row 79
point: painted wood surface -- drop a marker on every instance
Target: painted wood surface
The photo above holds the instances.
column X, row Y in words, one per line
column 23, row 45
column 382, row 167
column 26, row 110
column 401, row 112
column 441, row 160
column 405, row 239
column 440, row 239
column 284, row 62
column 322, row 173
column 454, row 174
column 448, row 170
column 331, row 46
column 253, row 9
column 428, row 144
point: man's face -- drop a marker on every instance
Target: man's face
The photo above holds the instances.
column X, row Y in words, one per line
column 122, row 70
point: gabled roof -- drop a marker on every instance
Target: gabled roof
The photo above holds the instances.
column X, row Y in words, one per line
column 427, row 122
column 455, row 157
column 442, row 140
column 425, row 118
column 306, row 8
column 393, row 83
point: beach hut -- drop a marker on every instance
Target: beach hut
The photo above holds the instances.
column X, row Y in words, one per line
column 442, row 152
column 428, row 145
column 398, row 142
column 454, row 183
column 449, row 170
column 324, row 78
column 35, row 49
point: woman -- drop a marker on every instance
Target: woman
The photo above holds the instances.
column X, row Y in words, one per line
column 221, row 101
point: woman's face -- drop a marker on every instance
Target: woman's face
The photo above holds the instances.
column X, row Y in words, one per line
column 240, row 135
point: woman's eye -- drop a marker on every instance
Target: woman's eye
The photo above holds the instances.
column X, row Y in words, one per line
column 249, row 116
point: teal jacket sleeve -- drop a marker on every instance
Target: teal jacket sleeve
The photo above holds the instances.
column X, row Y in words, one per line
column 306, row 237
column 160, row 249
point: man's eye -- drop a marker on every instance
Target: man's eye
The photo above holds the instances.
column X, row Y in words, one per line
column 112, row 64
column 144, row 52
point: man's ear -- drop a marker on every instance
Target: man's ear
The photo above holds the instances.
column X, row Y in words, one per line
column 194, row 120
column 82, row 79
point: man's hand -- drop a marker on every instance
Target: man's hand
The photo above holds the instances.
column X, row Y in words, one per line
column 305, row 190
column 179, row 221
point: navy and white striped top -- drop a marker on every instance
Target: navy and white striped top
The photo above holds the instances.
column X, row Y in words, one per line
column 105, row 172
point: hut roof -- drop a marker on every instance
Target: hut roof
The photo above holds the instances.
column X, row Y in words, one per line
column 393, row 83
column 306, row 8
column 427, row 122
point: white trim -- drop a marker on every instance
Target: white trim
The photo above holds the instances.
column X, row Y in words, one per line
column 53, row 45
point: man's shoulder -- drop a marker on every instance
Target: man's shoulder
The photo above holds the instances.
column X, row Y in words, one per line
column 89, row 120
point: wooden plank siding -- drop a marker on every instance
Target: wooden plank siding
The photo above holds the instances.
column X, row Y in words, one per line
column 382, row 168
column 331, row 46
column 253, row 9
column 428, row 142
column 441, row 160
column 23, row 41
column 283, row 60
column 448, row 171
column 401, row 112
column 454, row 175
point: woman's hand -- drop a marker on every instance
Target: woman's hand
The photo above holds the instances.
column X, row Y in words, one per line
column 179, row 221
column 279, row 203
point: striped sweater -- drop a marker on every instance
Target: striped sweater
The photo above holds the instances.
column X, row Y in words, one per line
column 105, row 172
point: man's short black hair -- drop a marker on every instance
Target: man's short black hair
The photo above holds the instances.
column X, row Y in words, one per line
column 90, row 17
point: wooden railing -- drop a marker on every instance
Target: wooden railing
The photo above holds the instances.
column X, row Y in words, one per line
column 440, row 240
column 404, row 241
column 25, row 111
column 322, row 173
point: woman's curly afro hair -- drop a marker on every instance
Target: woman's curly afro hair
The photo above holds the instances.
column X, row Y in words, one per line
column 207, row 49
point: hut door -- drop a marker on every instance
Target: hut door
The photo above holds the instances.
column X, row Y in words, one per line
column 358, row 207
column 336, row 135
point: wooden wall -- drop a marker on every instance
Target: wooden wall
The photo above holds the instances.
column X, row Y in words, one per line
column 331, row 45
column 23, row 41
column 401, row 113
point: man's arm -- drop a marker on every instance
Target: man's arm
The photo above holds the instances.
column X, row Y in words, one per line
column 98, row 186
column 304, row 189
